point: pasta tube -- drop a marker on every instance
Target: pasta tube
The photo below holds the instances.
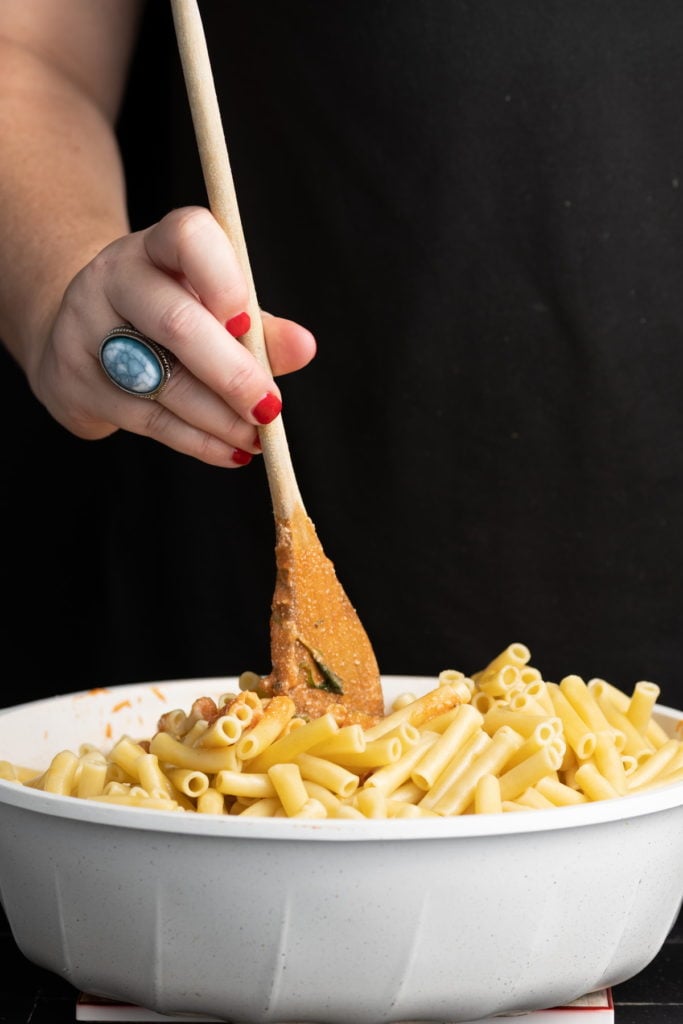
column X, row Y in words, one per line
column 585, row 705
column 542, row 736
column 433, row 761
column 389, row 777
column 325, row 773
column 490, row 761
column 251, row 784
column 593, row 783
column 528, row 772
column 641, row 704
column 522, row 723
column 266, row 808
column 435, row 702
column 311, row 809
column 211, row 802
column 125, row 754
column 92, row 776
column 487, row 799
column 296, row 742
column 514, row 654
column 500, row 682
column 175, row 752
column 636, row 743
column 559, row 794
column 227, row 729
column 155, row 782
column 278, row 712
column 190, row 782
column 608, row 760
column 578, row 735
column 60, row 775
column 351, row 739
column 289, row 787
column 372, row 803
column 385, row 750
column 330, row 802
column 477, row 743
column 648, row 771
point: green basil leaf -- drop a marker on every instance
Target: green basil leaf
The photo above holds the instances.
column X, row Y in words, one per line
column 331, row 681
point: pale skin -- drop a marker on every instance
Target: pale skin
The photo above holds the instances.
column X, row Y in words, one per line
column 70, row 268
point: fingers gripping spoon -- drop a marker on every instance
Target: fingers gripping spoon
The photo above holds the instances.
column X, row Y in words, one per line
column 321, row 654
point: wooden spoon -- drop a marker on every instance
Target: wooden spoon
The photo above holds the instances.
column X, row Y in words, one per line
column 321, row 654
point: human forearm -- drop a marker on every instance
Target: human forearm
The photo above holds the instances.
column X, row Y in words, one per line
column 61, row 191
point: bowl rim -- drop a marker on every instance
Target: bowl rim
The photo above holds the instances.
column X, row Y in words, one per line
column 554, row 819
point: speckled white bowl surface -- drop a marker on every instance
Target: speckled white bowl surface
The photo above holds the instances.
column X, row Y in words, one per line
column 279, row 920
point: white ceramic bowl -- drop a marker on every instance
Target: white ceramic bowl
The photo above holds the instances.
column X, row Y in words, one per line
column 293, row 920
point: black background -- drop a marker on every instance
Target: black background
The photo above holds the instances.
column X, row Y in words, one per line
column 475, row 207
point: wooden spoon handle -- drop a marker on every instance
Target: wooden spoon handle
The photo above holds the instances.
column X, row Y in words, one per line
column 220, row 188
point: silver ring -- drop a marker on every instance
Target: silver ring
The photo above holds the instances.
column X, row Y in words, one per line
column 135, row 363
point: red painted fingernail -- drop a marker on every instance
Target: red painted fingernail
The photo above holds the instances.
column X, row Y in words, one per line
column 242, row 458
column 267, row 409
column 239, row 325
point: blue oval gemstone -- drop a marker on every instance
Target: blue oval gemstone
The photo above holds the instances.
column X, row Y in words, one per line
column 131, row 364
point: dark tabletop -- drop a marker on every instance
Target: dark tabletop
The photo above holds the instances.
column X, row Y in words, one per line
column 31, row 995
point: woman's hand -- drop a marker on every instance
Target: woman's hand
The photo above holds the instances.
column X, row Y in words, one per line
column 179, row 284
